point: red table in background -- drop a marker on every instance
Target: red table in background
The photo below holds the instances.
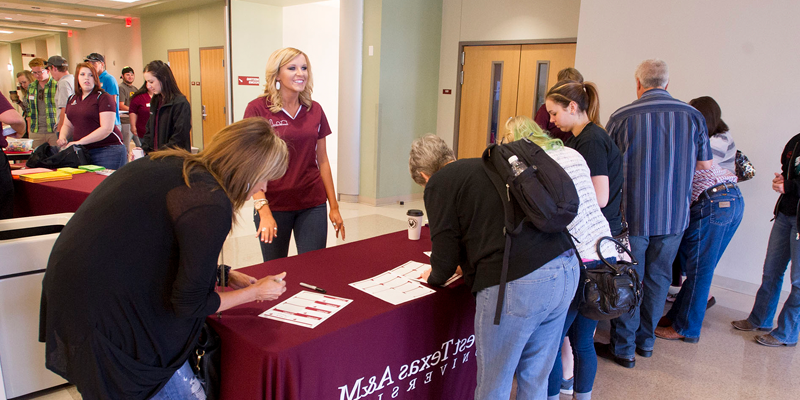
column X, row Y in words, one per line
column 370, row 350
column 31, row 199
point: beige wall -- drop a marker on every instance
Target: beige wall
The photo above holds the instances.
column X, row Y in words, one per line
column 119, row 45
column 498, row 20
column 192, row 29
column 721, row 49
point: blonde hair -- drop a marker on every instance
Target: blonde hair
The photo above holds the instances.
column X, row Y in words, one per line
column 276, row 61
column 522, row 127
column 239, row 156
column 428, row 154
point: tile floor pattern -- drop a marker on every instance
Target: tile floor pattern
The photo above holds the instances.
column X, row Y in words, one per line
column 726, row 364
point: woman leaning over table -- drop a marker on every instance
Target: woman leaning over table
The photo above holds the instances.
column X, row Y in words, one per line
column 90, row 119
column 296, row 202
column 120, row 322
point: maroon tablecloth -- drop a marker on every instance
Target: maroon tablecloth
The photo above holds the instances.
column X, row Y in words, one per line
column 422, row 349
column 31, row 199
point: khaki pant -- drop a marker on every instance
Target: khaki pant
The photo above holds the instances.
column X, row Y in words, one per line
column 43, row 137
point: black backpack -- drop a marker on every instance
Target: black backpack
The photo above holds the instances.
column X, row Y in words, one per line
column 544, row 192
column 46, row 156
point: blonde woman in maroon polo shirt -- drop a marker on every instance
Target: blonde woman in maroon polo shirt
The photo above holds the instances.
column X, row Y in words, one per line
column 90, row 119
column 296, row 202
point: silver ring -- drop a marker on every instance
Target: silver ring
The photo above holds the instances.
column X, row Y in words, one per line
column 263, row 229
column 334, row 223
column 275, row 228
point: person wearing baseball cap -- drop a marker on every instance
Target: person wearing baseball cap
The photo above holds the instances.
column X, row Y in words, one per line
column 107, row 82
column 126, row 91
column 59, row 70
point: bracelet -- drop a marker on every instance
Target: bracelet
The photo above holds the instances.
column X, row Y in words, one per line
column 258, row 204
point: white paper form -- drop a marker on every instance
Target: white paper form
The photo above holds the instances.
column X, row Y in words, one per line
column 413, row 270
column 393, row 288
column 307, row 309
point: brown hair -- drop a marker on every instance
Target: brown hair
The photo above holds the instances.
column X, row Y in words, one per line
column 712, row 113
column 583, row 94
column 78, row 88
column 570, row 74
column 28, row 76
column 276, row 61
column 37, row 62
column 240, row 155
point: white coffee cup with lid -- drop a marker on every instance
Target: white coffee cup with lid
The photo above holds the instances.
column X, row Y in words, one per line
column 414, row 224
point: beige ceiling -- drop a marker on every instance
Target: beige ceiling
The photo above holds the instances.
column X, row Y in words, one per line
column 32, row 18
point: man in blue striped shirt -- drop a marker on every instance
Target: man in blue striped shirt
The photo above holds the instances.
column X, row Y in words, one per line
column 662, row 141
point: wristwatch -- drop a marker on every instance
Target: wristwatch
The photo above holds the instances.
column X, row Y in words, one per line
column 260, row 203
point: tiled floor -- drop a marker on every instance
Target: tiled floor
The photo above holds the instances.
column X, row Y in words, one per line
column 725, row 364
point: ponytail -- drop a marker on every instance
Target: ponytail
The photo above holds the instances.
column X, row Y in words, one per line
column 593, row 103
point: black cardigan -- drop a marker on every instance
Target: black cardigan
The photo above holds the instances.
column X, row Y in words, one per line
column 131, row 278
column 174, row 125
column 466, row 219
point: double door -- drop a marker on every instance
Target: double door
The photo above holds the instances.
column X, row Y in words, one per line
column 212, row 87
column 500, row 82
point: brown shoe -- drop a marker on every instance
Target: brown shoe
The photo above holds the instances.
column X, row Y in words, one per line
column 664, row 322
column 669, row 333
column 745, row 325
column 770, row 341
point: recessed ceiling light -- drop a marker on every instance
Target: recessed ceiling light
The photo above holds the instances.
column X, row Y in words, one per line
column 8, row 18
column 63, row 23
column 77, row 20
column 125, row 1
column 6, row 32
column 101, row 15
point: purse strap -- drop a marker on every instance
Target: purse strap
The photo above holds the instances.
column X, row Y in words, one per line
column 615, row 241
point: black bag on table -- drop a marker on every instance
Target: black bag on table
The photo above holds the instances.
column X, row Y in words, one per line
column 46, row 156
column 611, row 290
column 543, row 191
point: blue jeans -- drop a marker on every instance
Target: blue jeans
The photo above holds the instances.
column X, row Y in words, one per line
column 183, row 385
column 581, row 338
column 310, row 227
column 109, row 157
column 655, row 255
column 714, row 220
column 527, row 339
column 783, row 247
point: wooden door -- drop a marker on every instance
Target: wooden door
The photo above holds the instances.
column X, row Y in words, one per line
column 179, row 64
column 538, row 71
column 212, row 91
column 488, row 96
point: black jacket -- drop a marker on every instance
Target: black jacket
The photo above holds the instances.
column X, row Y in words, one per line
column 790, row 159
column 174, row 125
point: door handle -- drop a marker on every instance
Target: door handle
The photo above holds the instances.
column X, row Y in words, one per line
column 204, row 112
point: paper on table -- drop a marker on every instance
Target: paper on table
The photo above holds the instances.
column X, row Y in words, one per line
column 427, row 253
column 393, row 287
column 414, row 270
column 307, row 309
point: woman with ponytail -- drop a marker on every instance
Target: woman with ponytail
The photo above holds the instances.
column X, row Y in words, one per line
column 575, row 107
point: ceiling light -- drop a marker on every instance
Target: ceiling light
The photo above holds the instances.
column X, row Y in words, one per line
column 101, row 15
column 63, row 23
column 125, row 1
column 8, row 18
column 7, row 32
column 77, row 20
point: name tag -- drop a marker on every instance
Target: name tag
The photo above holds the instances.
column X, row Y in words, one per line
column 147, row 105
column 724, row 204
column 30, row 97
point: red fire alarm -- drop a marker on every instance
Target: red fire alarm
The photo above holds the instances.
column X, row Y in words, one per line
column 128, row 22
column 69, row 33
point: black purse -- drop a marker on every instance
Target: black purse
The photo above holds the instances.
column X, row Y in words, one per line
column 610, row 291
column 205, row 361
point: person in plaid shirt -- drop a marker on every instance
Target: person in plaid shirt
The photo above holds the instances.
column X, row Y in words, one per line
column 42, row 100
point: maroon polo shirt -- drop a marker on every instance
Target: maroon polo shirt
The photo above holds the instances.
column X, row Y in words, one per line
column 302, row 186
column 140, row 105
column 84, row 114
column 5, row 105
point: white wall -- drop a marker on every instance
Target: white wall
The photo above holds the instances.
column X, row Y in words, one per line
column 351, row 39
column 321, row 44
column 498, row 20
column 733, row 51
column 256, row 31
